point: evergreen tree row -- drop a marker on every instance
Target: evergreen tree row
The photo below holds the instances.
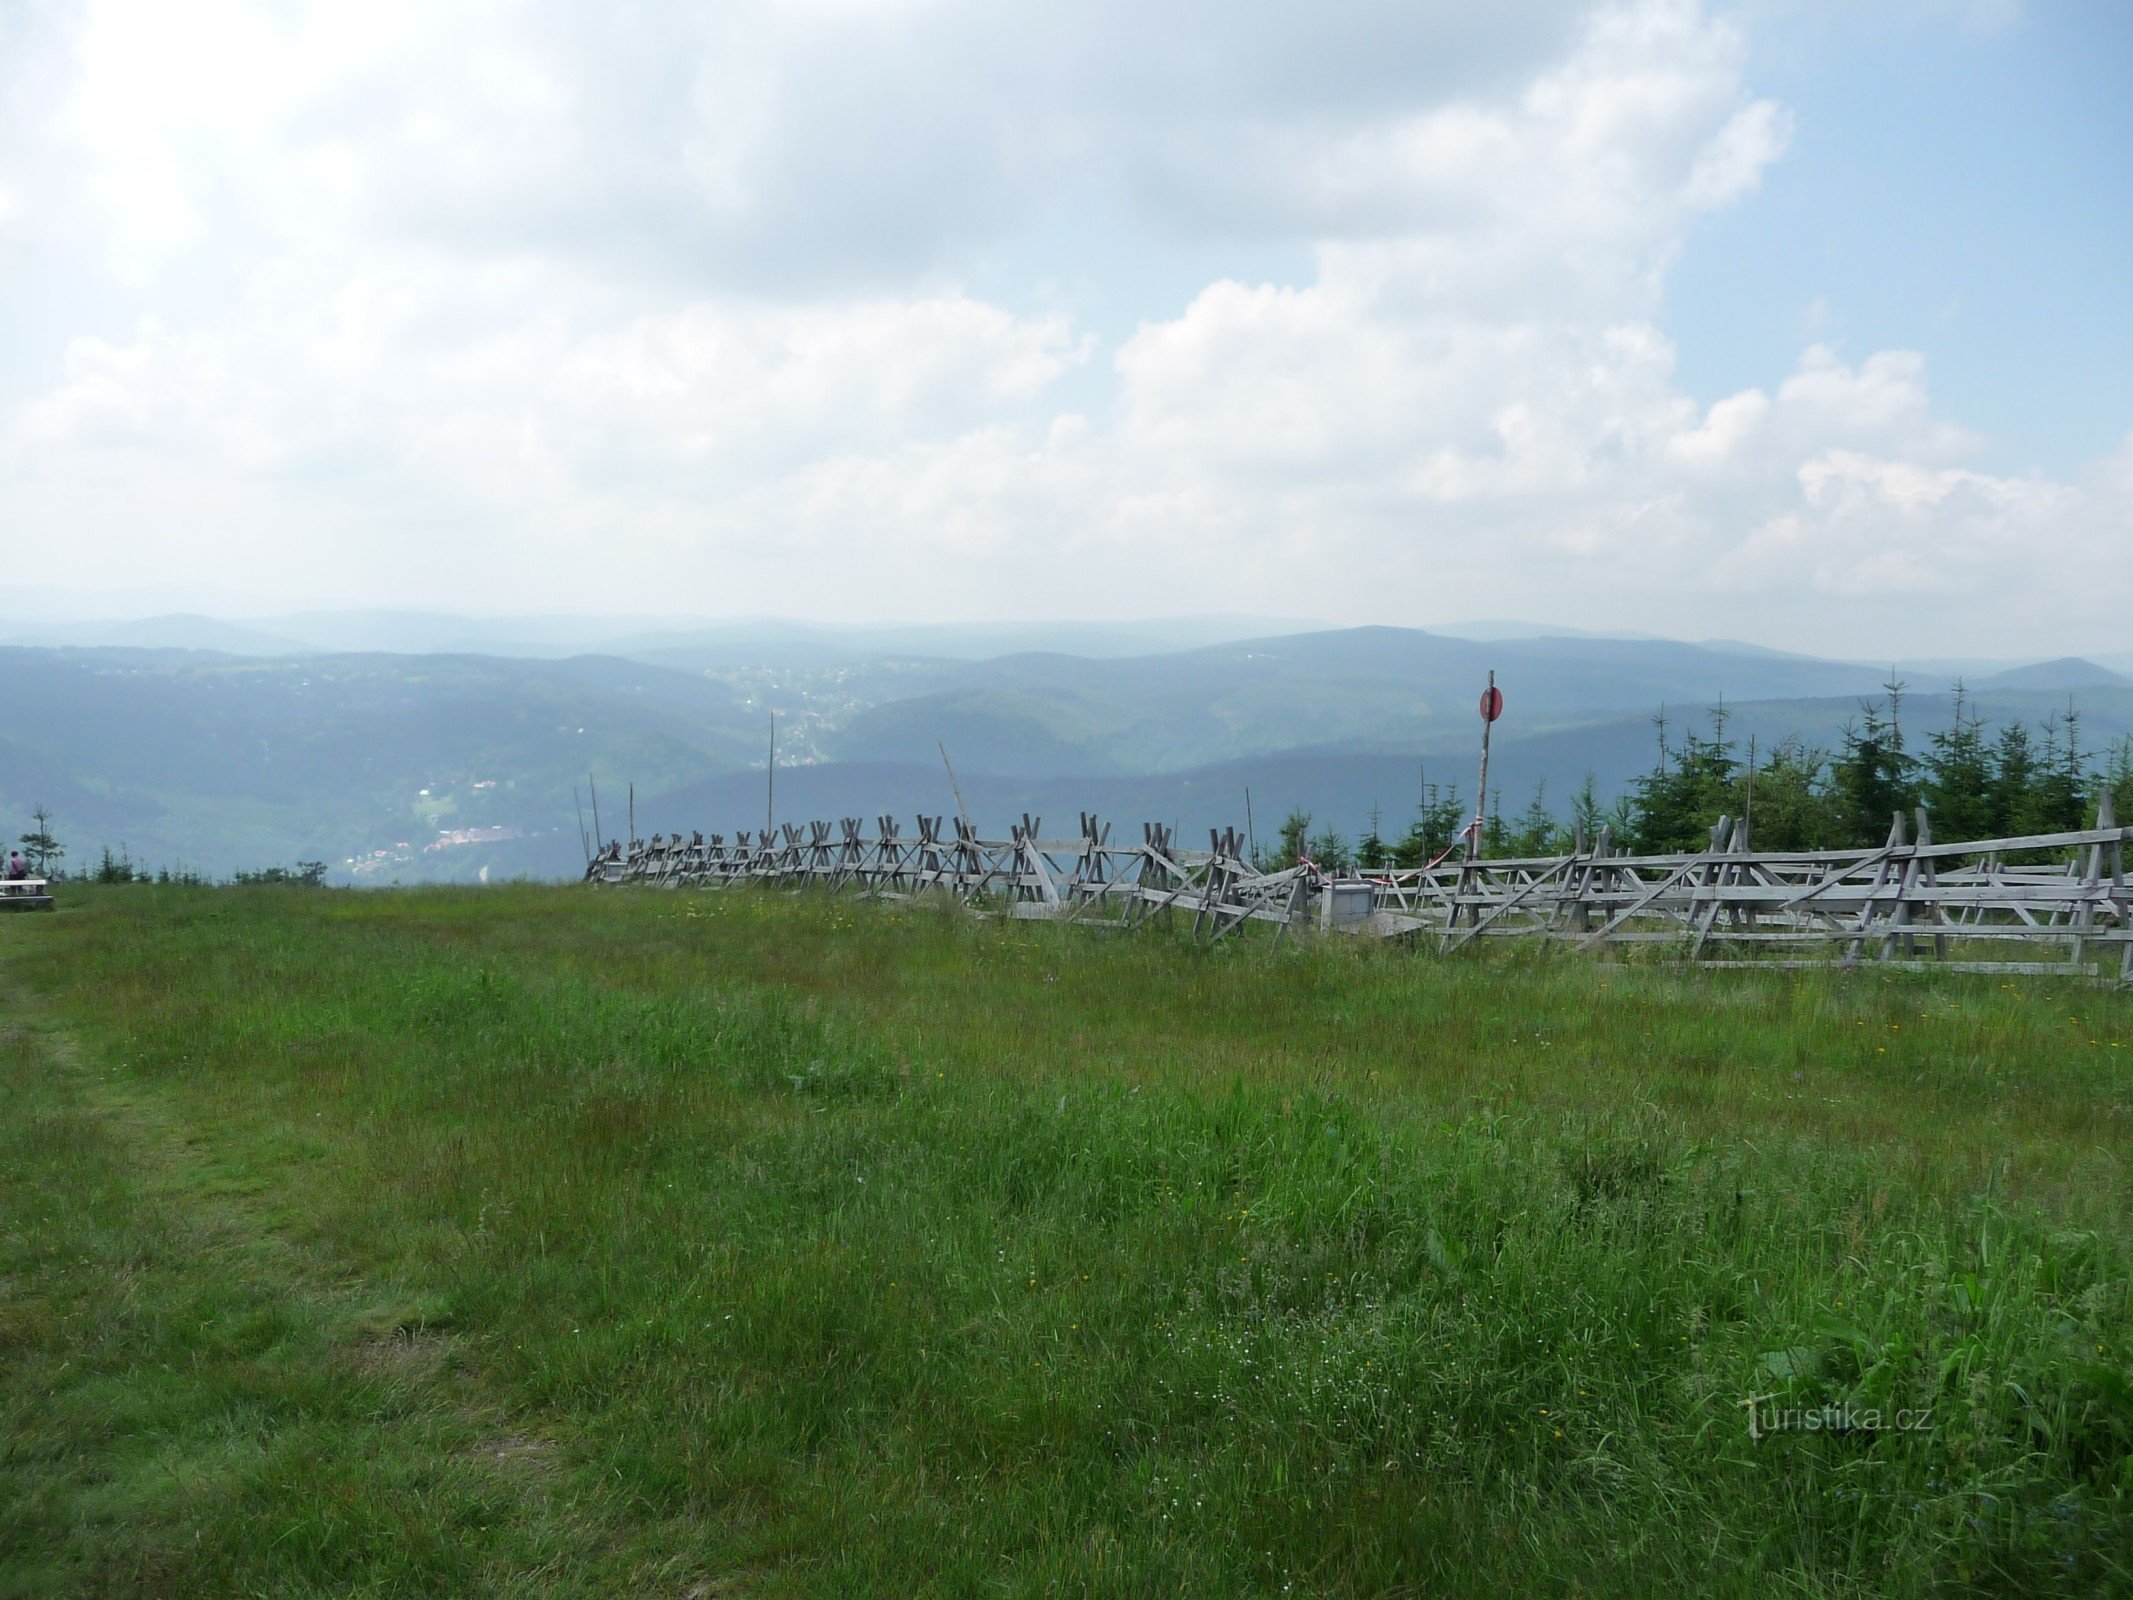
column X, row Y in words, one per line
column 1975, row 782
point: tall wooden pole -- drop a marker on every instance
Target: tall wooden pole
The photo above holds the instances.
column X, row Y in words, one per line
column 770, row 783
column 1747, row 808
column 1481, row 795
column 960, row 809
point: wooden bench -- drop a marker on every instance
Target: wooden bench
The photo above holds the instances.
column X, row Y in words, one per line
column 25, row 894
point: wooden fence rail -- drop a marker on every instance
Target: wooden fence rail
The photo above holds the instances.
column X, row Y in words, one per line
column 2055, row 903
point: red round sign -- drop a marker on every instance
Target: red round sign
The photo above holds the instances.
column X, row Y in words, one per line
column 1491, row 704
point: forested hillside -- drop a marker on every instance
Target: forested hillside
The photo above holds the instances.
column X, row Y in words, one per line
column 409, row 767
column 216, row 762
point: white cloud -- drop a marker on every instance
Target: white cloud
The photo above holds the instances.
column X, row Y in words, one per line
column 458, row 305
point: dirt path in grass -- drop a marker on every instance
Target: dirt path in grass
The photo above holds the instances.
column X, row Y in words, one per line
column 190, row 1404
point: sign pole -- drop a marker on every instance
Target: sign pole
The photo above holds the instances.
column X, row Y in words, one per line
column 1491, row 709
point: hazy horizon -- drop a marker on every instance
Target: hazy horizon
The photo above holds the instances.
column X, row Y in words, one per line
column 1773, row 320
column 25, row 624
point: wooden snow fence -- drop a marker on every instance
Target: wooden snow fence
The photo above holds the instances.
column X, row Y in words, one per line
column 2054, row 904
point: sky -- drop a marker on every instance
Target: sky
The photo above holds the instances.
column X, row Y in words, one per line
column 1795, row 321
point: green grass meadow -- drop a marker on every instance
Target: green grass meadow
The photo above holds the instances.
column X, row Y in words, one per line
column 531, row 1241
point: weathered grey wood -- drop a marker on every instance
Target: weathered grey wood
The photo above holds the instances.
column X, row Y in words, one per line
column 1953, row 898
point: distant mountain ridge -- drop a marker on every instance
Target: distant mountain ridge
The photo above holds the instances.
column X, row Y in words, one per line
column 177, row 631
column 669, row 641
column 441, row 764
column 2068, row 672
column 738, row 642
column 1357, row 688
column 1340, row 786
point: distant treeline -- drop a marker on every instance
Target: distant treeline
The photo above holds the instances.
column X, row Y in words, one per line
column 45, row 857
column 1975, row 782
column 122, row 868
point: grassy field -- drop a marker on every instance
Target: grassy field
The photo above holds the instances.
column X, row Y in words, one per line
column 542, row 1242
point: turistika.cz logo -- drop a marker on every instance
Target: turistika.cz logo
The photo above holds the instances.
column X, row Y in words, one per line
column 1765, row 1417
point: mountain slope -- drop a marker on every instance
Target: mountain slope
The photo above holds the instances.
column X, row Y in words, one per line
column 1339, row 786
column 1359, row 688
column 2068, row 672
column 418, row 766
column 219, row 761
